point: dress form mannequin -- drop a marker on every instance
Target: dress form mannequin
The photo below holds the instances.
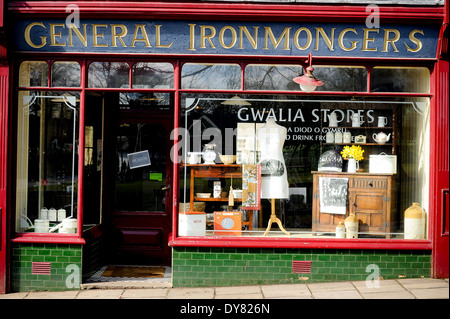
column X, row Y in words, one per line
column 274, row 183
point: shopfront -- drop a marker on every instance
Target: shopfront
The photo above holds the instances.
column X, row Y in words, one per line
column 173, row 138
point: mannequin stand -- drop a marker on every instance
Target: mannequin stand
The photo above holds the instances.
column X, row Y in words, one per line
column 275, row 219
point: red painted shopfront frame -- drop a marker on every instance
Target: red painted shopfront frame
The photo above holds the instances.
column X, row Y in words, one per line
column 258, row 13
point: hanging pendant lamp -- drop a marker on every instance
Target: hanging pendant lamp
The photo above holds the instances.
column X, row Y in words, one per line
column 308, row 82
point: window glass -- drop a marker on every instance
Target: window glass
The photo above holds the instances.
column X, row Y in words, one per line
column 271, row 77
column 295, row 163
column 280, row 77
column 66, row 74
column 33, row 73
column 108, row 75
column 208, row 76
column 153, row 75
column 400, row 79
column 47, row 161
column 341, row 78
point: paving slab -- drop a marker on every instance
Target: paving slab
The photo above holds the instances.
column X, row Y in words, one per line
column 242, row 296
column 191, row 293
column 430, row 293
column 72, row 294
column 145, row 293
column 238, row 290
column 337, row 294
column 14, row 295
column 389, row 295
column 100, row 294
column 331, row 286
column 286, row 291
column 414, row 283
column 384, row 286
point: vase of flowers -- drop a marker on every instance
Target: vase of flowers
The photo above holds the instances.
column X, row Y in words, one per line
column 353, row 154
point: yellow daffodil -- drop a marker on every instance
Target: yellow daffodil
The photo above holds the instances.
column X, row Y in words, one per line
column 353, row 151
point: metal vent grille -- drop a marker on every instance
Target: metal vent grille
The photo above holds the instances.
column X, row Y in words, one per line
column 40, row 268
column 301, row 267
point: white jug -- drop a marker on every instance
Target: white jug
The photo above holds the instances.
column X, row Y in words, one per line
column 382, row 121
column 357, row 120
column 333, row 119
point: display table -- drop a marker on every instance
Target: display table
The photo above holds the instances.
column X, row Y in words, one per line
column 371, row 197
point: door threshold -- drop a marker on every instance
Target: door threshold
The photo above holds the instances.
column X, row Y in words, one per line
column 99, row 281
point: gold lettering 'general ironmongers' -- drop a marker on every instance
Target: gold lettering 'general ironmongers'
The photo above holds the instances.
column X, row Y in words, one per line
column 106, row 35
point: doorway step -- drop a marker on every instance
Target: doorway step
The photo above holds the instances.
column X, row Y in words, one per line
column 121, row 277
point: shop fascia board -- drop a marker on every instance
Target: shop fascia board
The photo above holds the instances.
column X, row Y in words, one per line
column 233, row 11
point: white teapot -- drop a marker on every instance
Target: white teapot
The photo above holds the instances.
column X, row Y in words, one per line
column 381, row 137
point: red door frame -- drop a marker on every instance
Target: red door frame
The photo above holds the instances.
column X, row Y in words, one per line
column 4, row 120
column 440, row 160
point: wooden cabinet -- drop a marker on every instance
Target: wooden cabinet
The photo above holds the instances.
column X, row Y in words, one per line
column 219, row 171
column 371, row 197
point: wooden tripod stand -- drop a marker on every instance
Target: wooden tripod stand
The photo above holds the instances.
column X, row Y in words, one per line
column 275, row 219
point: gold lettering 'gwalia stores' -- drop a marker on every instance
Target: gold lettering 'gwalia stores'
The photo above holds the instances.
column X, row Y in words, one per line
column 39, row 34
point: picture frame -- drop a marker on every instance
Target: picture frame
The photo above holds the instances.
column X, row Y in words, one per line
column 360, row 139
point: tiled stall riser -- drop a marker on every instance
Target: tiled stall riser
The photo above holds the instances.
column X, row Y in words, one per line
column 50, row 267
column 202, row 267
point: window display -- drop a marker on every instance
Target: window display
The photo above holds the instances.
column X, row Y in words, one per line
column 363, row 178
column 47, row 157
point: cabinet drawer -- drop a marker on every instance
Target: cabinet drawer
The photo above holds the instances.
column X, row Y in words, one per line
column 370, row 183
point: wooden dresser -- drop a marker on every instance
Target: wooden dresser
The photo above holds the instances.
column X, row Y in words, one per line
column 372, row 197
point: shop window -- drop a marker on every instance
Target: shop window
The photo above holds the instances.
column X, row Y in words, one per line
column 152, row 75
column 208, row 76
column 33, row 73
column 400, row 79
column 280, row 77
column 290, row 164
column 47, row 157
column 341, row 78
column 146, row 101
column 66, row 74
column 271, row 77
column 108, row 75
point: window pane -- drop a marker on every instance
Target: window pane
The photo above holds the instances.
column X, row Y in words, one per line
column 33, row 74
column 345, row 78
column 303, row 172
column 211, row 76
column 153, row 75
column 271, row 77
column 66, row 74
column 108, row 75
column 144, row 101
column 400, row 79
column 47, row 160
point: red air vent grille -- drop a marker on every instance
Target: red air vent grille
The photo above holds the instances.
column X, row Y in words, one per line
column 301, row 267
column 40, row 268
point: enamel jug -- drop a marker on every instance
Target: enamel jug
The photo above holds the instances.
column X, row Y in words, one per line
column 333, row 119
column 357, row 120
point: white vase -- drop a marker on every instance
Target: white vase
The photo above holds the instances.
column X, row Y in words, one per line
column 353, row 165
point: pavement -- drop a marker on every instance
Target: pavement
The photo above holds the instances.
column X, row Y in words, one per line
column 421, row 288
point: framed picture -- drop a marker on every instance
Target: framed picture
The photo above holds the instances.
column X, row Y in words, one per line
column 333, row 195
column 360, row 139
